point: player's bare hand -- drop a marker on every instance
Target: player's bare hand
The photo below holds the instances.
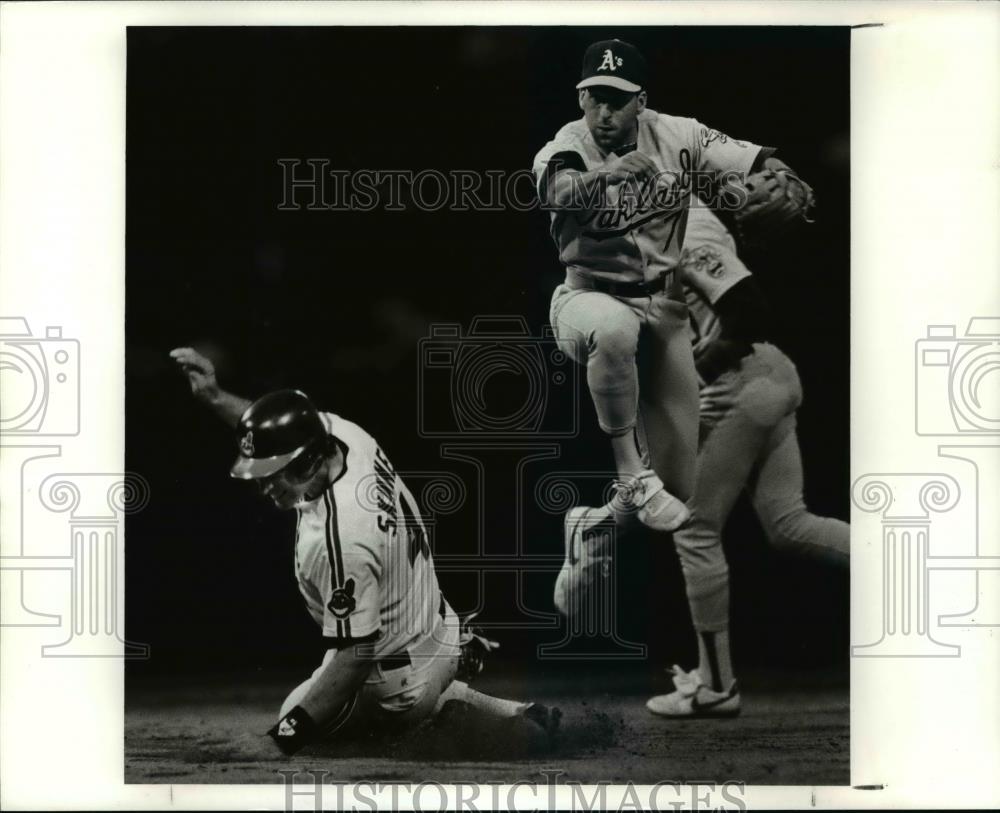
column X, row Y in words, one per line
column 200, row 373
column 715, row 400
column 634, row 165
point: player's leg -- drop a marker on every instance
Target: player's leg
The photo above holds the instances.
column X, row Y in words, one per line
column 668, row 391
column 776, row 487
column 602, row 333
column 398, row 698
column 498, row 707
column 776, row 491
column 740, row 411
column 724, row 463
column 452, row 692
column 405, row 689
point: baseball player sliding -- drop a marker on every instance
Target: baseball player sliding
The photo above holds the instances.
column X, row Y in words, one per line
column 364, row 568
column 749, row 393
column 618, row 183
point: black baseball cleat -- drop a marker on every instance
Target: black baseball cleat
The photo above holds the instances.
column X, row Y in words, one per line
column 545, row 717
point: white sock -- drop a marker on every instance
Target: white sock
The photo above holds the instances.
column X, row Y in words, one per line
column 496, row 706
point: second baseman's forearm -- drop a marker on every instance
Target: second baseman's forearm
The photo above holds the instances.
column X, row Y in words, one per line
column 579, row 191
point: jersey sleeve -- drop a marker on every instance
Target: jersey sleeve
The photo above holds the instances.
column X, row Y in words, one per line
column 351, row 600
column 562, row 152
column 719, row 152
column 558, row 162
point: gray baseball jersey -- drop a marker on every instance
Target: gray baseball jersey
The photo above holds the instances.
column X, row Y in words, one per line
column 632, row 237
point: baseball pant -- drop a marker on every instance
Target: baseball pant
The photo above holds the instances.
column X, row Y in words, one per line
column 749, row 441
column 399, row 696
column 638, row 357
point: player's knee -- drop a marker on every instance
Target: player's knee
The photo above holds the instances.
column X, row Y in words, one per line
column 701, row 532
column 699, row 548
column 788, row 529
column 615, row 340
column 707, row 580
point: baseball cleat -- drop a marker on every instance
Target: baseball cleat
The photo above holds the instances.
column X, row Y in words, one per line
column 652, row 504
column 693, row 698
column 546, row 718
column 587, row 557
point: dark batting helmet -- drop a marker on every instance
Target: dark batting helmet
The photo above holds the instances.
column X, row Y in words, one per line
column 275, row 430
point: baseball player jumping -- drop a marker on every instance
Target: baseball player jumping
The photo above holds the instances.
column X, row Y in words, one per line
column 749, row 394
column 364, row 568
column 618, row 183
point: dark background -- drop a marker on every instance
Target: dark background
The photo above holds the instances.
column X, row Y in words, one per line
column 334, row 302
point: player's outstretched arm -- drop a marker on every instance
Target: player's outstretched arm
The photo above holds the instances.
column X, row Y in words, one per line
column 338, row 682
column 329, row 694
column 200, row 374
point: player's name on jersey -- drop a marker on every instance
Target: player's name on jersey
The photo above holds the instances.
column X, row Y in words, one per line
column 633, row 203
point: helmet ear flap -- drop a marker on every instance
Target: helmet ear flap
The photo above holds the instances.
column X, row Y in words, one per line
column 305, row 465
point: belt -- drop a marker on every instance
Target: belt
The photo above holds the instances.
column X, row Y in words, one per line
column 630, row 290
column 398, row 660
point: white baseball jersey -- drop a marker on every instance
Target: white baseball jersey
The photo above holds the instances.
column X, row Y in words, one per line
column 631, row 237
column 709, row 268
column 362, row 559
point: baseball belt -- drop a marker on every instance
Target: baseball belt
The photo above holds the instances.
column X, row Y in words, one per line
column 397, row 660
column 630, row 290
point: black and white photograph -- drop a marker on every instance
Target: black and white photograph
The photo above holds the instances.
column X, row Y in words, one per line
column 421, row 406
column 491, row 387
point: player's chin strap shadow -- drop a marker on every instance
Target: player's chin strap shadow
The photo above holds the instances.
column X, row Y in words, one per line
column 475, row 648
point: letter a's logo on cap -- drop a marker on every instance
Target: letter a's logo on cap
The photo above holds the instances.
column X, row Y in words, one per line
column 610, row 62
column 246, row 445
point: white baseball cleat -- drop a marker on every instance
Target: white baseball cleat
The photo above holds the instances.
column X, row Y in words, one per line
column 694, row 699
column 588, row 556
column 654, row 506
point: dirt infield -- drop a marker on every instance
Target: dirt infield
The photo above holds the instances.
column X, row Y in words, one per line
column 793, row 730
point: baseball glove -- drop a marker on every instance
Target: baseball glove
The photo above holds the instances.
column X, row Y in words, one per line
column 776, row 200
column 474, row 648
